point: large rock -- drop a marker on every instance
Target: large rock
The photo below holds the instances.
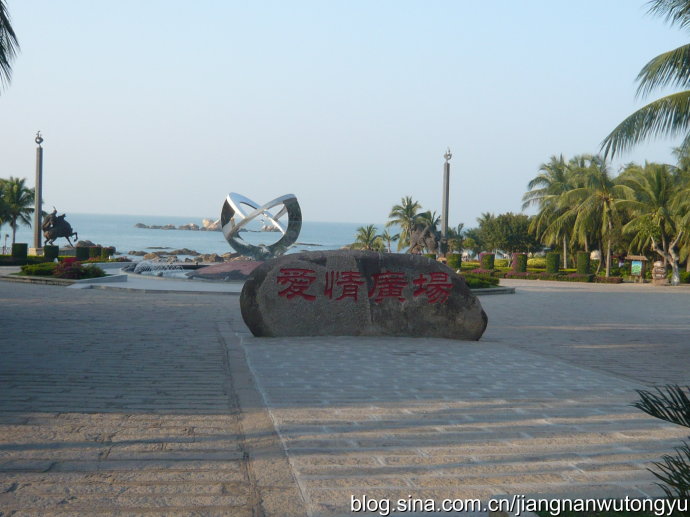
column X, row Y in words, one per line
column 359, row 293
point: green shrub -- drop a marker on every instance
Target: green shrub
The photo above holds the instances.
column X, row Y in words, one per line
column 685, row 277
column 470, row 265
column 552, row 261
column 486, row 260
column 20, row 250
column 42, row 269
column 95, row 252
column 50, row 252
column 107, row 252
column 582, row 263
column 454, row 261
column 519, row 263
column 475, row 281
column 431, row 256
column 537, row 262
column 82, row 253
column 501, row 263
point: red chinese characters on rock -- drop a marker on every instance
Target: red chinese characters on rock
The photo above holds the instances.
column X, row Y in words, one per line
column 297, row 281
column 388, row 284
column 348, row 281
column 435, row 286
column 339, row 285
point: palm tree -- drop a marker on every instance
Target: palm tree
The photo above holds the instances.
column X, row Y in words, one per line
column 546, row 190
column 18, row 200
column 595, row 204
column 669, row 115
column 367, row 239
column 659, row 214
column 430, row 219
column 8, row 45
column 388, row 239
column 404, row 216
column 455, row 237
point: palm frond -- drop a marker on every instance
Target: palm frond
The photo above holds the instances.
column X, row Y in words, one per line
column 8, row 45
column 667, row 116
column 673, row 11
column 671, row 68
column 670, row 403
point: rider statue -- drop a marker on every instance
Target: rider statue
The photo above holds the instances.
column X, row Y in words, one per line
column 55, row 226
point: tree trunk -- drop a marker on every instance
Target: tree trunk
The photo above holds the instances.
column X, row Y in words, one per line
column 565, row 252
column 675, row 275
column 608, row 257
column 14, row 230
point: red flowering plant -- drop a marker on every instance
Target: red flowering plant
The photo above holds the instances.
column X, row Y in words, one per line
column 77, row 271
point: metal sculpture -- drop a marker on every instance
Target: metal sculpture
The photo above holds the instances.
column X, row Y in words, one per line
column 234, row 218
column 55, row 226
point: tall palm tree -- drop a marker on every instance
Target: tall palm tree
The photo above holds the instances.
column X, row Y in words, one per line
column 595, row 203
column 18, row 200
column 430, row 219
column 8, row 45
column 404, row 216
column 455, row 237
column 659, row 214
column 555, row 178
column 388, row 238
column 367, row 239
column 669, row 115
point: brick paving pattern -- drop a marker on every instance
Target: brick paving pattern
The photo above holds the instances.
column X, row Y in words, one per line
column 126, row 403
column 117, row 404
column 540, row 406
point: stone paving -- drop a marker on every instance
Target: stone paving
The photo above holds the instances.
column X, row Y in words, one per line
column 117, row 404
column 126, row 403
column 540, row 406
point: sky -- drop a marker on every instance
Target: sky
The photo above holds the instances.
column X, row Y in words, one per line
column 162, row 107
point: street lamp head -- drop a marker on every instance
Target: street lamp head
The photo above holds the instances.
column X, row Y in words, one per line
column 448, row 155
column 39, row 138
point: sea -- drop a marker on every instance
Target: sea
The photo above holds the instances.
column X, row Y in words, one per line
column 120, row 231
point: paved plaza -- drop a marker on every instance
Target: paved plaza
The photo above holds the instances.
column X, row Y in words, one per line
column 120, row 402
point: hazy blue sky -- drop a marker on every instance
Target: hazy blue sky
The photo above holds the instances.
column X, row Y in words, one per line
column 164, row 106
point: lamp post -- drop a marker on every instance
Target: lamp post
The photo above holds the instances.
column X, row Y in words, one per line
column 444, row 211
column 38, row 191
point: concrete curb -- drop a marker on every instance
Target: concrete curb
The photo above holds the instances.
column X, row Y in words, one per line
column 37, row 280
column 270, row 470
column 493, row 290
column 102, row 280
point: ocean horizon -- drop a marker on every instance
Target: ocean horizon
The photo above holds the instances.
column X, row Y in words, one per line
column 120, row 231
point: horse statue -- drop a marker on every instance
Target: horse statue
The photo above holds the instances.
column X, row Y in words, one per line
column 55, row 227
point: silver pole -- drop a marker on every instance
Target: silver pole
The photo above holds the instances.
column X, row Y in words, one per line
column 38, row 191
column 446, row 188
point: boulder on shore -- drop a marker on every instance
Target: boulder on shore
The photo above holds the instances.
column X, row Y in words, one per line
column 360, row 293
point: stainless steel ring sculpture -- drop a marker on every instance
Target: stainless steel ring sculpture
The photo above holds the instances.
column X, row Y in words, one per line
column 234, row 218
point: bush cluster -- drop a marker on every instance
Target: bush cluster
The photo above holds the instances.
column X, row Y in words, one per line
column 486, row 261
column 519, row 264
column 77, row 271
column 42, row 269
column 478, row 281
column 454, row 261
column 582, row 262
column 552, row 262
column 537, row 263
